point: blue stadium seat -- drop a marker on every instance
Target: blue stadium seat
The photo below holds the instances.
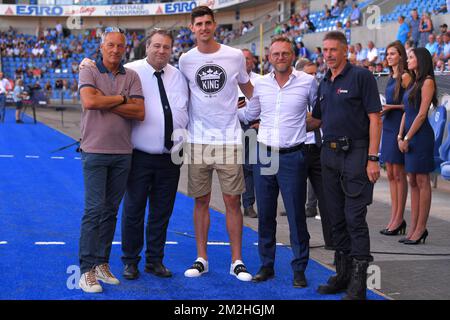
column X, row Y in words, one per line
column 445, row 156
column 437, row 119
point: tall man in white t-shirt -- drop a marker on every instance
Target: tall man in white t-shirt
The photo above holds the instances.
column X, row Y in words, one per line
column 213, row 72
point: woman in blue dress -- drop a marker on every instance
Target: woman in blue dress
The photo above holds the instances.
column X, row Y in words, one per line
column 416, row 141
column 390, row 154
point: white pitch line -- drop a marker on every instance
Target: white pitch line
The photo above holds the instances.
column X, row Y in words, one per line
column 171, row 242
column 32, row 157
column 6, row 156
column 77, row 158
column 3, row 242
column 49, row 243
column 57, row 158
column 218, row 243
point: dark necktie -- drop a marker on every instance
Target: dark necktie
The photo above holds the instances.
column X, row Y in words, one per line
column 168, row 121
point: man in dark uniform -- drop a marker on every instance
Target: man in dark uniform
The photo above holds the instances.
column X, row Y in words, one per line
column 348, row 108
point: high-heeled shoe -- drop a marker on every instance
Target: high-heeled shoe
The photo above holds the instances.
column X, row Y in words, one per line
column 384, row 230
column 401, row 229
column 422, row 237
column 402, row 240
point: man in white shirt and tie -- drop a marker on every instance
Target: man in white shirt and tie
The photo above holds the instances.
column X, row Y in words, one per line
column 280, row 100
column 154, row 176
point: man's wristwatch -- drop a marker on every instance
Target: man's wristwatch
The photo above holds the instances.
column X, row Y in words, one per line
column 373, row 158
column 406, row 138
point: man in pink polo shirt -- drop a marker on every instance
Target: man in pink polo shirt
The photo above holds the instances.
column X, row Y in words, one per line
column 111, row 97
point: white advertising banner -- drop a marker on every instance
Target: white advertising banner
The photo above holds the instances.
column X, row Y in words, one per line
column 181, row 7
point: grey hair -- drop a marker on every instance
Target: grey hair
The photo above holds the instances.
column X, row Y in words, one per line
column 104, row 34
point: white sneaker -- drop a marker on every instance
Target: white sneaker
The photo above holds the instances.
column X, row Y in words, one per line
column 104, row 274
column 199, row 267
column 88, row 282
column 239, row 270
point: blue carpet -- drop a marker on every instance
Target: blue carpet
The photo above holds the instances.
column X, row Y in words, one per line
column 41, row 200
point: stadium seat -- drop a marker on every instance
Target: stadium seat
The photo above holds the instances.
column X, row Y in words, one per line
column 445, row 156
column 437, row 119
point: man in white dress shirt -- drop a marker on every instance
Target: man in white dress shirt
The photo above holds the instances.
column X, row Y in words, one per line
column 153, row 177
column 280, row 100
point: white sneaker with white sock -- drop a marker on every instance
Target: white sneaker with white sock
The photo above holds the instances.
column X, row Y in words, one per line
column 199, row 267
column 104, row 274
column 88, row 282
column 239, row 270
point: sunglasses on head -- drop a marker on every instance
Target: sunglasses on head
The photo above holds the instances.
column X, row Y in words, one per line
column 114, row 29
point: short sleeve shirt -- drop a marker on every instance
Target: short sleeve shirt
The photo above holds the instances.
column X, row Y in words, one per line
column 343, row 105
column 101, row 130
column 213, row 80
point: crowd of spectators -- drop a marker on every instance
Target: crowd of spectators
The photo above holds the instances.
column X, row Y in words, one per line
column 52, row 52
column 414, row 31
column 419, row 31
column 53, row 44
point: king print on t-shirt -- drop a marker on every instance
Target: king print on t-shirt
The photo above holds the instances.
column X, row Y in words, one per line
column 211, row 79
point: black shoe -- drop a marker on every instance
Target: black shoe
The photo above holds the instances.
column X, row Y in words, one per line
column 358, row 283
column 264, row 274
column 401, row 229
column 311, row 212
column 250, row 212
column 422, row 237
column 300, row 279
column 19, row 121
column 339, row 282
column 403, row 240
column 158, row 269
column 131, row 271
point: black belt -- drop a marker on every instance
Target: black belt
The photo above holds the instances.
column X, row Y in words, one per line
column 284, row 150
column 334, row 144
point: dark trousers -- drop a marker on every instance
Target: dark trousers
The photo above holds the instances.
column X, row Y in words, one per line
column 347, row 199
column 291, row 181
column 105, row 179
column 314, row 174
column 248, row 197
column 153, row 177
